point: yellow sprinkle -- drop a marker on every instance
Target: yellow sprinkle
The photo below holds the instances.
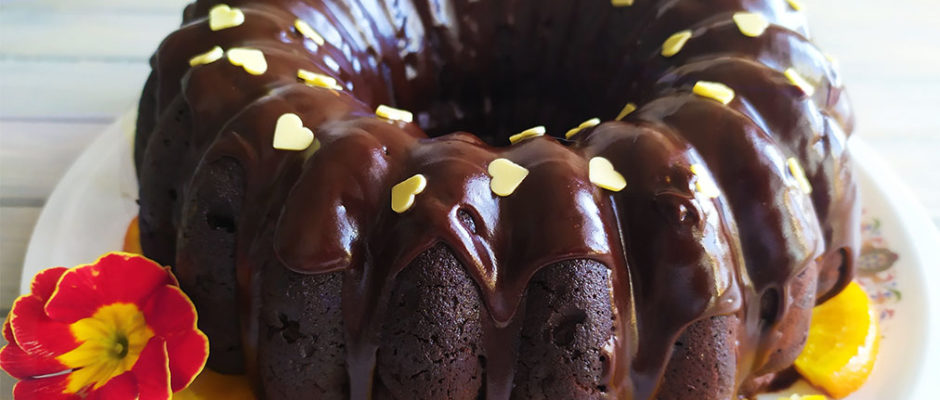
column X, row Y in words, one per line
column 795, row 5
column 674, row 44
column 601, row 172
column 797, row 80
column 394, row 114
column 586, row 124
column 208, row 57
column 750, row 24
column 319, row 80
column 252, row 60
column 590, row 123
column 704, row 183
column 505, row 176
column 528, row 133
column 714, row 91
column 223, row 17
column 627, row 110
column 621, row 3
column 307, row 31
column 290, row 133
column 797, row 171
column 403, row 194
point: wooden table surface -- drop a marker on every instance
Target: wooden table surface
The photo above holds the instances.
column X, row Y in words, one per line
column 68, row 68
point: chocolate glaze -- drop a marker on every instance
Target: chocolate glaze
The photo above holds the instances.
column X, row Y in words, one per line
column 675, row 256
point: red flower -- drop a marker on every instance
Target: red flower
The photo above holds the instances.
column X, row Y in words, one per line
column 119, row 328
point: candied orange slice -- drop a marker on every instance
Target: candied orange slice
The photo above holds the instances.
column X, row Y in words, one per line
column 132, row 238
column 210, row 385
column 843, row 342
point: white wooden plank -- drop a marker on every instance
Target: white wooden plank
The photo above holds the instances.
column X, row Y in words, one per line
column 34, row 155
column 87, row 89
column 890, row 109
column 17, row 225
column 912, row 159
column 889, row 56
column 107, row 35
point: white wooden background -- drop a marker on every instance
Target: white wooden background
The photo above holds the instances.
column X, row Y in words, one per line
column 68, row 68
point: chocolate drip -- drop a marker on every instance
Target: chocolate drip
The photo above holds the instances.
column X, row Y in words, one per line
column 675, row 255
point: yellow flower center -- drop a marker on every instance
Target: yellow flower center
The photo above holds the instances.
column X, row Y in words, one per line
column 110, row 343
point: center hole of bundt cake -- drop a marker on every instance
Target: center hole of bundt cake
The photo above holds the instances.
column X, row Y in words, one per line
column 494, row 107
column 515, row 82
column 496, row 116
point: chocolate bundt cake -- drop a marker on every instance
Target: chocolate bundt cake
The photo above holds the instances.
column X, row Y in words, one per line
column 671, row 246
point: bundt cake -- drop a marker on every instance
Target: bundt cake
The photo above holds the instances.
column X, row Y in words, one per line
column 671, row 246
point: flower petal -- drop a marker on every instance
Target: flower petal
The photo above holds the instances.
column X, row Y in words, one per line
column 22, row 365
column 170, row 314
column 169, row 311
column 35, row 333
column 121, row 387
column 169, row 271
column 48, row 388
column 188, row 353
column 114, row 278
column 152, row 371
column 44, row 282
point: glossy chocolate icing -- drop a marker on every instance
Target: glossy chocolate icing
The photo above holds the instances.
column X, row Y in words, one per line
column 495, row 67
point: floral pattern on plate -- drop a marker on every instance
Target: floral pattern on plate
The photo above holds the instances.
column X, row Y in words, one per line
column 875, row 267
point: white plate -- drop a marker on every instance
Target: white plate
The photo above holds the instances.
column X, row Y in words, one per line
column 88, row 213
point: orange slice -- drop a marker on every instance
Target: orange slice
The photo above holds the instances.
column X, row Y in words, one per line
column 842, row 344
column 210, row 385
column 132, row 238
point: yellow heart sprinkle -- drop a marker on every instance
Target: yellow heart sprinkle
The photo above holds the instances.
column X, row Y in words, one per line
column 675, row 43
column 797, row 171
column 704, row 183
column 403, row 194
column 318, row 80
column 584, row 125
column 290, row 133
column 223, row 17
column 714, row 91
column 528, row 133
column 602, row 173
column 621, row 3
column 307, row 31
column 393, row 114
column 750, row 24
column 797, row 80
column 208, row 57
column 505, row 176
column 627, row 110
column 795, row 5
column 252, row 60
